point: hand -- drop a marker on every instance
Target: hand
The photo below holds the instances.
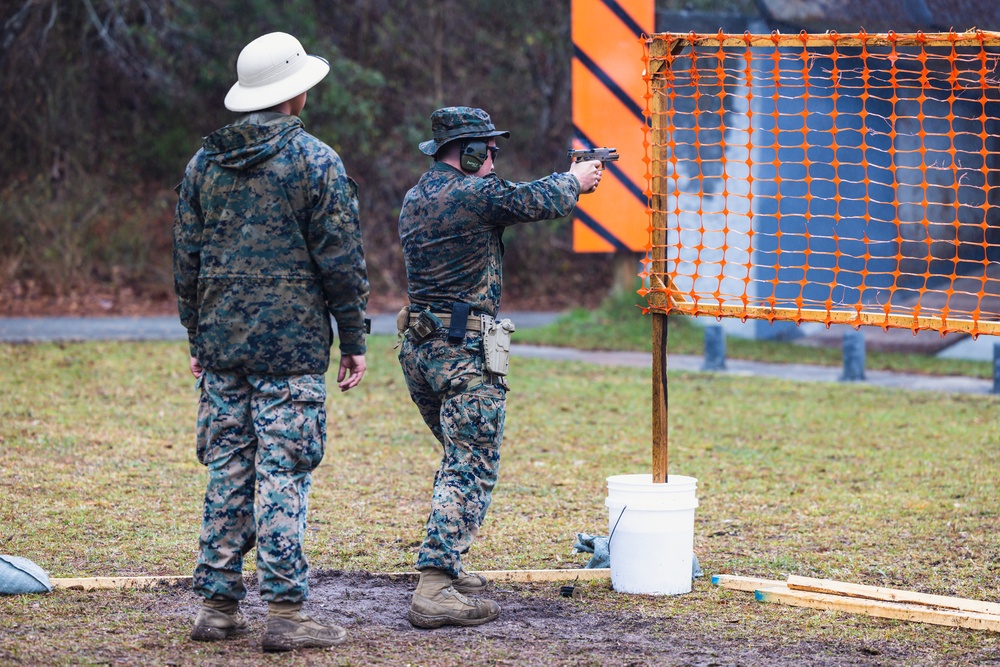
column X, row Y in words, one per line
column 588, row 174
column 196, row 369
column 352, row 368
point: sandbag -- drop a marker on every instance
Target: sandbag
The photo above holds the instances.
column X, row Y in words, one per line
column 19, row 575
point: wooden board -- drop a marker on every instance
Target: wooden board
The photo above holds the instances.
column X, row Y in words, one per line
column 522, row 576
column 880, row 609
column 97, row 583
column 746, row 584
column 890, row 594
column 104, row 583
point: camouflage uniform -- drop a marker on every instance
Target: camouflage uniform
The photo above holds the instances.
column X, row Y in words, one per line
column 267, row 244
column 451, row 226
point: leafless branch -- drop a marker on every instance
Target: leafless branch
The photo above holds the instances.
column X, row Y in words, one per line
column 102, row 28
column 13, row 26
column 52, row 20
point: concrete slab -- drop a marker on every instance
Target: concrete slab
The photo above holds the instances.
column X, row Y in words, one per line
column 981, row 349
column 893, row 340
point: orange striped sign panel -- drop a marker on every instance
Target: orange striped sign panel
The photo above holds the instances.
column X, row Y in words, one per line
column 608, row 101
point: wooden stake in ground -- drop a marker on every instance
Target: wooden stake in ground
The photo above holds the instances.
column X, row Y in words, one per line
column 657, row 66
column 660, row 446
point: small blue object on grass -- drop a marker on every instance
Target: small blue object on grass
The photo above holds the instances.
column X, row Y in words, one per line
column 600, row 546
column 996, row 368
column 19, row 576
column 854, row 357
column 715, row 349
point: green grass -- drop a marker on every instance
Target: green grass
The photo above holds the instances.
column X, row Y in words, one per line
column 620, row 325
column 102, row 434
column 98, row 477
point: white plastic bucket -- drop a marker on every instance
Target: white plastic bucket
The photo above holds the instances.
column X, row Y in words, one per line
column 651, row 529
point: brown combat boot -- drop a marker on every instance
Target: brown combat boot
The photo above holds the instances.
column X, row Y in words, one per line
column 469, row 584
column 436, row 603
column 289, row 629
column 218, row 619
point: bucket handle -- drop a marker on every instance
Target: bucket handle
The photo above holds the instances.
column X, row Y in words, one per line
column 622, row 513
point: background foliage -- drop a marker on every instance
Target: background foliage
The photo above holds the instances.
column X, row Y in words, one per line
column 102, row 102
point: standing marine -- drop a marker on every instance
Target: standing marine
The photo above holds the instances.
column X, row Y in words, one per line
column 267, row 246
column 454, row 351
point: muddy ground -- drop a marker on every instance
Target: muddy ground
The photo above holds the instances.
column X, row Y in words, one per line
column 540, row 626
column 709, row 627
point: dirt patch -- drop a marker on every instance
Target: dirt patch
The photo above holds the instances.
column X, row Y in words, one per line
column 538, row 626
column 709, row 627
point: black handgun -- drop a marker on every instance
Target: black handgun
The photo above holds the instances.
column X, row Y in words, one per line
column 602, row 154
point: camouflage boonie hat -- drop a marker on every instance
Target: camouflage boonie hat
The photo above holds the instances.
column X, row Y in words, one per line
column 453, row 123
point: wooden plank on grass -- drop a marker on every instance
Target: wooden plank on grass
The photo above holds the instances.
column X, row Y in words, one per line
column 890, row 594
column 526, row 576
column 95, row 583
column 747, row 584
column 98, row 583
column 523, row 576
column 880, row 609
column 660, row 452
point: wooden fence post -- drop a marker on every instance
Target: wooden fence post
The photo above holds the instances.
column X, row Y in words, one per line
column 660, row 446
column 657, row 65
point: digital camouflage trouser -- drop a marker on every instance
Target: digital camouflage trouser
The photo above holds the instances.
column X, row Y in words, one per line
column 260, row 437
column 467, row 418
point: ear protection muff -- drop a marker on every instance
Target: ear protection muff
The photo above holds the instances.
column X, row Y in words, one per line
column 474, row 154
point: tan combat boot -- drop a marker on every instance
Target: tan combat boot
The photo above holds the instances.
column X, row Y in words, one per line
column 289, row 629
column 436, row 603
column 218, row 619
column 469, row 584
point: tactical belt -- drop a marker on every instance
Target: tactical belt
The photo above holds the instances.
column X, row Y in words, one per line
column 474, row 322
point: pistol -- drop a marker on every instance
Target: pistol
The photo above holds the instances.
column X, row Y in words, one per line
column 602, row 154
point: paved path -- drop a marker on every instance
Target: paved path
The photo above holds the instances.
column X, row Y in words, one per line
column 32, row 329
column 42, row 329
column 793, row 372
column 50, row 329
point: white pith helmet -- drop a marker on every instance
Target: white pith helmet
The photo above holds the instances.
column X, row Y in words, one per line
column 272, row 69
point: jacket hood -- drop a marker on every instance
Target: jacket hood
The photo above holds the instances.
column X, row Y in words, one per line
column 253, row 139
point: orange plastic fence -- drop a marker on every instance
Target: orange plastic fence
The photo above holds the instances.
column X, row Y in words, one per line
column 828, row 178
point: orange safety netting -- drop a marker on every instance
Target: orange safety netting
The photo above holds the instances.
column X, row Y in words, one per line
column 828, row 178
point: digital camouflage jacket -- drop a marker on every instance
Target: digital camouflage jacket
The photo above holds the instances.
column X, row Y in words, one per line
column 451, row 227
column 267, row 245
